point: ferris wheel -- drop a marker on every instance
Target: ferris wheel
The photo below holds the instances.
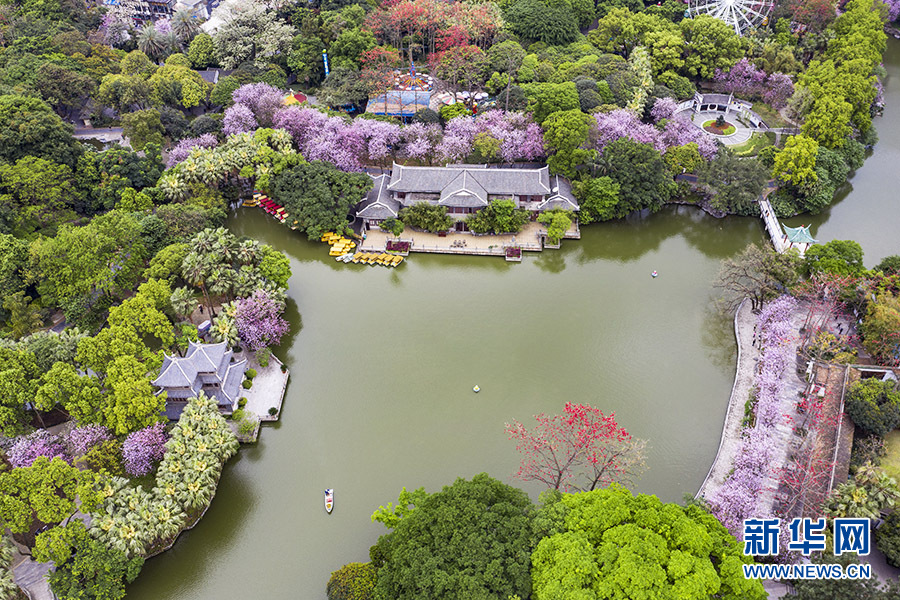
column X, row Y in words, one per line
column 739, row 14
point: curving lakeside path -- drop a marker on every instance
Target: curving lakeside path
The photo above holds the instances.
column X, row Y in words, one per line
column 747, row 356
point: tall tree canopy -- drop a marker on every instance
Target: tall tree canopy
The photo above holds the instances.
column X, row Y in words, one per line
column 611, row 544
column 470, row 540
column 318, row 196
column 29, row 127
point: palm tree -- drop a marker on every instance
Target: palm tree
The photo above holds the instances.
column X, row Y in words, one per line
column 184, row 302
column 248, row 252
column 195, row 271
column 151, row 42
column 184, row 25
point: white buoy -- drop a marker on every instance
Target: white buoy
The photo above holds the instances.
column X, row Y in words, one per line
column 476, row 389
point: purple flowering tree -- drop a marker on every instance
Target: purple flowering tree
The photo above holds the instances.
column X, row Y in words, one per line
column 893, row 9
column 677, row 132
column 183, row 148
column 238, row 119
column 738, row 497
column 143, row 448
column 82, row 439
column 663, row 108
column 778, row 89
column 301, row 123
column 258, row 320
column 337, row 142
column 27, row 448
column 420, row 140
column 742, row 79
column 262, row 99
column 380, row 137
column 459, row 135
column 622, row 123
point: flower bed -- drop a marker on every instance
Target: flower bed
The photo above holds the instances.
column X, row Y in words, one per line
column 726, row 129
column 513, row 252
column 395, row 246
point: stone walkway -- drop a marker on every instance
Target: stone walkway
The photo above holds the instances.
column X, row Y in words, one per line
column 30, row 576
column 268, row 388
column 747, row 357
column 528, row 239
column 741, row 134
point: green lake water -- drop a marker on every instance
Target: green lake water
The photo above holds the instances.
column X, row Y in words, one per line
column 382, row 370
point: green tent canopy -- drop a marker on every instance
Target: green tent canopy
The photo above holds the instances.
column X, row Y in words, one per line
column 799, row 235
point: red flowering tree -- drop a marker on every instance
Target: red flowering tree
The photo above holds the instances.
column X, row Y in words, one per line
column 582, row 449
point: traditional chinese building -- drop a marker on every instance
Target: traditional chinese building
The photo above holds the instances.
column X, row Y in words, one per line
column 208, row 368
column 464, row 190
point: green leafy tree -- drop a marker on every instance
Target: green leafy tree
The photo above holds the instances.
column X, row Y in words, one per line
column 796, row 163
column 177, row 85
column 18, row 381
column 201, row 51
column 143, row 126
column 79, row 395
column 124, row 92
column 710, row 44
column 105, row 256
column 640, row 172
column 598, row 198
column 43, row 494
column 566, row 132
column 38, row 193
column 544, row 99
column 874, row 405
column 476, row 535
column 611, row 544
column 395, row 226
column 353, row 581
column 535, row 20
column 838, row 257
column 131, row 403
column 275, row 266
column 24, row 316
column 684, row 159
column 735, row 183
column 85, row 568
column 344, row 86
column 500, row 216
column 428, row 217
column 557, row 222
column 29, row 127
column 390, row 515
column 887, row 538
column 319, row 196
column 350, row 44
column 137, row 63
column 66, row 90
column 221, row 94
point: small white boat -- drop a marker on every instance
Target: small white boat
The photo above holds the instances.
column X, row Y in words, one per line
column 329, row 500
column 347, row 257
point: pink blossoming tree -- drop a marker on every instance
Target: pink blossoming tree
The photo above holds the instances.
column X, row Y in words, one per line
column 259, row 322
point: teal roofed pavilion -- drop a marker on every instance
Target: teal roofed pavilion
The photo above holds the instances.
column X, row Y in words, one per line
column 799, row 235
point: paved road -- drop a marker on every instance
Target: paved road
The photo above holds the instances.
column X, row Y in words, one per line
column 30, row 577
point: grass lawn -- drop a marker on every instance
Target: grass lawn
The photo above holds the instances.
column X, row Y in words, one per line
column 891, row 461
column 769, row 115
column 752, row 146
column 711, row 127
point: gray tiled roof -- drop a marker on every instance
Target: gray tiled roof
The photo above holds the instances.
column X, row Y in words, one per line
column 464, row 190
column 493, row 181
column 561, row 196
column 378, row 203
column 205, row 367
